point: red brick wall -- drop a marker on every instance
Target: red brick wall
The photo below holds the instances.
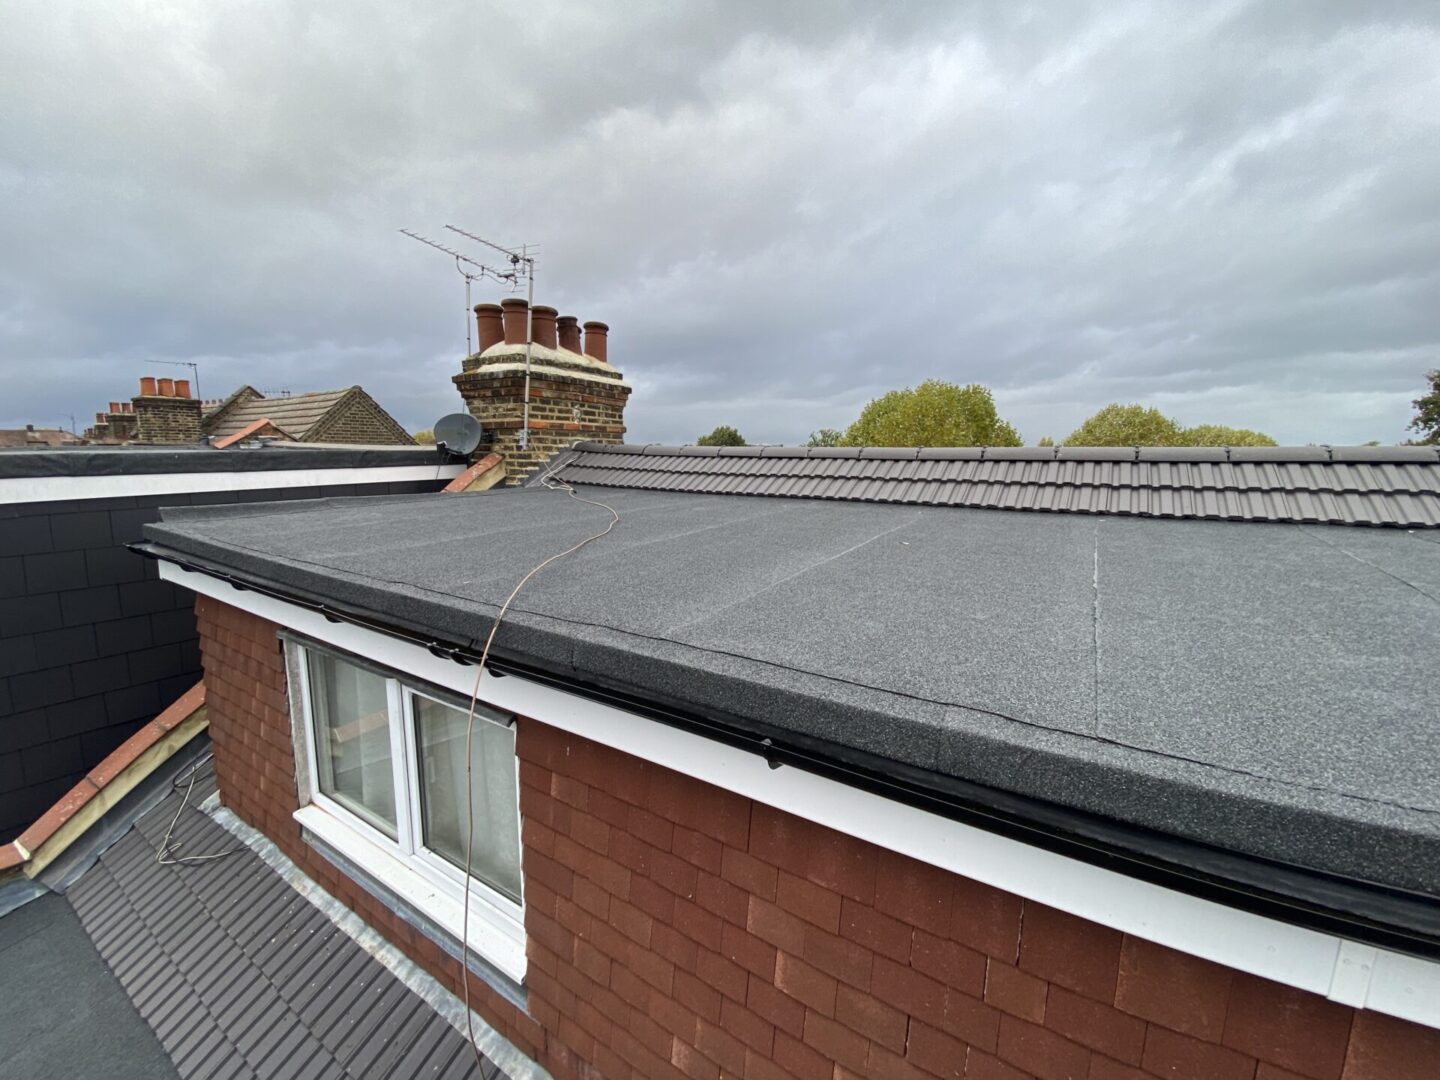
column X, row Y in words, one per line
column 676, row 929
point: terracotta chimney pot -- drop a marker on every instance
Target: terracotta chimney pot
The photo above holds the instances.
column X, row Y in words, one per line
column 490, row 325
column 147, row 386
column 114, row 406
column 567, row 331
column 513, row 315
column 596, row 341
column 543, row 318
column 167, row 387
column 99, row 418
column 182, row 388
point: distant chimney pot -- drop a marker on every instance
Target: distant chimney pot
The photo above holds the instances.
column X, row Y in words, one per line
column 567, row 331
column 114, row 406
column 99, row 418
column 167, row 387
column 182, row 388
column 490, row 325
column 147, row 386
column 543, row 318
column 513, row 309
column 596, row 341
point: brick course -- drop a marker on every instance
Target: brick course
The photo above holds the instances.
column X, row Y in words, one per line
column 678, row 930
column 563, row 409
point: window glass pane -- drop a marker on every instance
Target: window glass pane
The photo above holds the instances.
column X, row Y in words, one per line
column 352, row 739
column 440, row 739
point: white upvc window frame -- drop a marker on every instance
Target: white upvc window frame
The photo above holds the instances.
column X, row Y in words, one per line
column 422, row 878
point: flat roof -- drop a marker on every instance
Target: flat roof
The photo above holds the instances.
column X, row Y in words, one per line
column 1263, row 689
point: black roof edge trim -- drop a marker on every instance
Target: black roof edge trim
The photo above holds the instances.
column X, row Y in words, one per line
column 1395, row 919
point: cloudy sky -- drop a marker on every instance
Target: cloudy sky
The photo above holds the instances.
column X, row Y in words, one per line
column 1229, row 210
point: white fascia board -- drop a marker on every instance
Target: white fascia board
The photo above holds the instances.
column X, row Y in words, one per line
column 33, row 489
column 1399, row 985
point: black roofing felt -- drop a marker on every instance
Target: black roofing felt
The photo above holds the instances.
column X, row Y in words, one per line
column 139, row 460
column 1268, row 689
column 64, row 1013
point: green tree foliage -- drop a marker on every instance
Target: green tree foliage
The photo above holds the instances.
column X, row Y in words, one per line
column 826, row 436
column 935, row 413
column 724, row 435
column 1126, row 425
column 426, row 437
column 1427, row 412
column 1136, row 425
column 1046, row 441
column 1220, row 435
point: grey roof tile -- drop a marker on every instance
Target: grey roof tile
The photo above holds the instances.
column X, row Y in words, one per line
column 1241, row 484
column 235, row 972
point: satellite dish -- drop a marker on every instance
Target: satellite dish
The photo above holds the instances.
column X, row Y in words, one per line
column 458, row 433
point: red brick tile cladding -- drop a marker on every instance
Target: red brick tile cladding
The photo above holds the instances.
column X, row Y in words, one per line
column 678, row 930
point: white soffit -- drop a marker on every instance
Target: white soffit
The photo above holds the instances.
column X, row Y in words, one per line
column 1357, row 975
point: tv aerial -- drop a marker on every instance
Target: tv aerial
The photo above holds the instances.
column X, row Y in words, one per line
column 458, row 433
column 522, row 269
column 481, row 271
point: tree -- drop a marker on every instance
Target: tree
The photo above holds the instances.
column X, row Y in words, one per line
column 1220, row 435
column 1046, row 441
column 935, row 413
column 426, row 437
column 826, row 436
column 724, row 435
column 1126, row 425
column 1427, row 412
column 1136, row 425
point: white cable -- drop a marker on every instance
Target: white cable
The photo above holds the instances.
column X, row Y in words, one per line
column 550, row 481
column 165, row 854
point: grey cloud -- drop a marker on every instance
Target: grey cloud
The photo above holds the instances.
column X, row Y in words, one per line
column 782, row 210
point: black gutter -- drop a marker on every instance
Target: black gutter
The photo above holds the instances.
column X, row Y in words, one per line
column 1363, row 911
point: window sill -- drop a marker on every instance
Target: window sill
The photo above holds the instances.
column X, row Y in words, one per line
column 497, row 937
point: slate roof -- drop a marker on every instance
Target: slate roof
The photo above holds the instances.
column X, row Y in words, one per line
column 296, row 414
column 233, row 972
column 1260, row 690
column 1386, row 486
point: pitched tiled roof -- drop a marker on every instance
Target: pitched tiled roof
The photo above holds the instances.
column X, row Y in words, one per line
column 1387, row 486
column 241, row 976
column 296, row 415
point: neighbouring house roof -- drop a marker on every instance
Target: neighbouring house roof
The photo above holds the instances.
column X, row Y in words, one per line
column 1354, row 485
column 1254, row 703
column 264, row 426
column 15, row 438
column 305, row 417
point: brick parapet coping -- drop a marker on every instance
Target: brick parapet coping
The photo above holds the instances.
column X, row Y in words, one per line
column 104, row 785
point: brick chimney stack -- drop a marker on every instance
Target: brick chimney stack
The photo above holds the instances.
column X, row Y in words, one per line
column 574, row 396
column 164, row 412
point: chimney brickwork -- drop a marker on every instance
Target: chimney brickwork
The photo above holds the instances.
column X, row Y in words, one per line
column 162, row 416
column 573, row 397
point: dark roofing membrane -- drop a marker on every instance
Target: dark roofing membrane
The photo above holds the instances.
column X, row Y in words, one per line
column 136, row 460
column 1358, row 485
column 1268, row 690
column 212, row 969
